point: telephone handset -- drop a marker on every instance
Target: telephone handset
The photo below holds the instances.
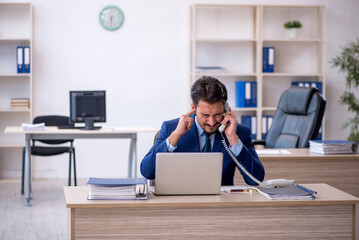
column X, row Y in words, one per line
column 223, row 126
column 265, row 184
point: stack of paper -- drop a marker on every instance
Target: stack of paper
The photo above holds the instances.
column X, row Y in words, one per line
column 117, row 189
column 332, row 146
column 30, row 127
column 293, row 192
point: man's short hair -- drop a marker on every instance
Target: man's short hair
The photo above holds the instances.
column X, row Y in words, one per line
column 208, row 89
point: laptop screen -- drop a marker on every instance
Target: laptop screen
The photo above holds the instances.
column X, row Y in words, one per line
column 188, row 173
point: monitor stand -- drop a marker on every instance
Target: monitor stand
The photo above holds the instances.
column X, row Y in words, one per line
column 89, row 124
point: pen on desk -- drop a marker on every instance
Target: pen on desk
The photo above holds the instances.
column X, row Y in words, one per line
column 250, row 190
column 306, row 189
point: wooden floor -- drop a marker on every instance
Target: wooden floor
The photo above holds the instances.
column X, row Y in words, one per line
column 46, row 219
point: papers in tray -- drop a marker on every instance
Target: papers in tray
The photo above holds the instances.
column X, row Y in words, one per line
column 293, row 192
column 117, row 189
column 210, row 69
column 273, row 151
column 37, row 126
column 333, row 146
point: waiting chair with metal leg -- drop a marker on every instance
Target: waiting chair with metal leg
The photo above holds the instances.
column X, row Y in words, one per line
column 51, row 120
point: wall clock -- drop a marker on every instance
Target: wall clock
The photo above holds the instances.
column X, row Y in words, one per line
column 111, row 18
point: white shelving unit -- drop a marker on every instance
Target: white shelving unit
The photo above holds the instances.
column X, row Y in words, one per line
column 233, row 36
column 15, row 30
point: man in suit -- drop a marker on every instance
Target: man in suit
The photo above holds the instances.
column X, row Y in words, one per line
column 197, row 131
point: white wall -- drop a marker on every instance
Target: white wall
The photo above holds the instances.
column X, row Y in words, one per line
column 144, row 68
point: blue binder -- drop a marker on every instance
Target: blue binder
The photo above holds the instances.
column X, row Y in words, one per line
column 251, row 122
column 246, row 120
column 27, row 58
column 20, row 59
column 266, row 124
column 268, row 59
column 244, row 94
column 248, row 94
column 254, row 127
column 320, row 136
column 240, row 94
column 254, row 94
column 318, row 85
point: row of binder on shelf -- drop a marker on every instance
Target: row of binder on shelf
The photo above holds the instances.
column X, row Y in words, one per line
column 20, row 103
column 251, row 122
column 267, row 120
column 246, row 94
column 23, row 59
column 246, row 91
column 317, row 85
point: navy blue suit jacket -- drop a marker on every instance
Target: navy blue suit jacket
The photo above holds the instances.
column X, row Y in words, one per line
column 189, row 143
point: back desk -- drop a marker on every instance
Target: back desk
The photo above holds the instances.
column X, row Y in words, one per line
column 340, row 171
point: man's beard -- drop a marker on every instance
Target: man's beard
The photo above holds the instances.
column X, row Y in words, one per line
column 216, row 126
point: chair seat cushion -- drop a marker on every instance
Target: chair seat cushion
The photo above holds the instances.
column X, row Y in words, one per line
column 49, row 151
column 287, row 141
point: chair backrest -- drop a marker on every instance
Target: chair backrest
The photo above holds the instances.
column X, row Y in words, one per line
column 53, row 120
column 298, row 118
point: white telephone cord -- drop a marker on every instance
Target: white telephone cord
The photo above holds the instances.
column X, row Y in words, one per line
column 241, row 166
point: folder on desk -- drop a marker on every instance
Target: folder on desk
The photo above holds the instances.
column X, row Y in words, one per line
column 27, row 59
column 20, row 59
column 117, row 189
column 293, row 192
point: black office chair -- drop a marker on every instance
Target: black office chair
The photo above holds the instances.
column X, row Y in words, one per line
column 51, row 120
column 297, row 120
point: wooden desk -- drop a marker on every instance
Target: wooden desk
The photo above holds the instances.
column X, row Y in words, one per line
column 340, row 171
column 55, row 133
column 226, row 216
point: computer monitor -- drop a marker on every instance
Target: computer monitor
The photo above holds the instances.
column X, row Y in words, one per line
column 88, row 107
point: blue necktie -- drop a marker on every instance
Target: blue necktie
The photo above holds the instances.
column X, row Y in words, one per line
column 207, row 145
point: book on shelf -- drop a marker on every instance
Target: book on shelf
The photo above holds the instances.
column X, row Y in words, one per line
column 246, row 94
column 333, row 146
column 292, row 192
column 210, row 69
column 268, row 59
column 20, row 103
column 20, row 100
column 117, row 189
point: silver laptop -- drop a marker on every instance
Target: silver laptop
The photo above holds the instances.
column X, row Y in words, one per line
column 188, row 173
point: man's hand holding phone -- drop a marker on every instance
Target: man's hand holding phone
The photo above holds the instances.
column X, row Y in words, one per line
column 230, row 130
column 184, row 124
